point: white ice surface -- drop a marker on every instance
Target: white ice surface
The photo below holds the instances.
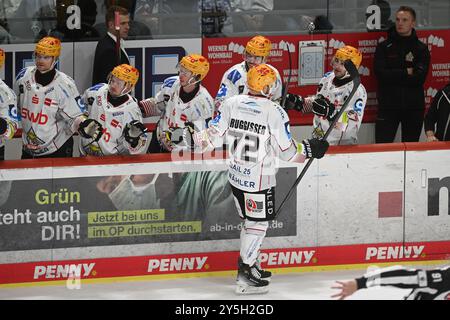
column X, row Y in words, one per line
column 288, row 286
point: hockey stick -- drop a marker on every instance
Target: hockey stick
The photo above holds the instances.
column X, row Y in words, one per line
column 351, row 69
column 286, row 85
column 117, row 28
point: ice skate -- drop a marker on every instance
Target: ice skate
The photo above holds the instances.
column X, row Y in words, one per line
column 265, row 275
column 249, row 280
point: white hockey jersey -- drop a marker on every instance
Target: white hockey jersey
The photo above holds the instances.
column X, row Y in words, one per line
column 257, row 132
column 47, row 112
column 347, row 127
column 199, row 110
column 234, row 82
column 113, row 120
column 8, row 111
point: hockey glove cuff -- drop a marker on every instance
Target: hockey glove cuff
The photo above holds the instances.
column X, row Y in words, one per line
column 313, row 148
column 151, row 107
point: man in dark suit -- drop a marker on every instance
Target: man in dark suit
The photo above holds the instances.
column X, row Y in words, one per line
column 106, row 52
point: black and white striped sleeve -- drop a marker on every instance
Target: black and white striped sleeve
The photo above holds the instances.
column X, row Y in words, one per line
column 396, row 276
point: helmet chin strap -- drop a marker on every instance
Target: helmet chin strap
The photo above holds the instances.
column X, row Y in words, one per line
column 191, row 81
column 125, row 91
column 269, row 94
column 346, row 75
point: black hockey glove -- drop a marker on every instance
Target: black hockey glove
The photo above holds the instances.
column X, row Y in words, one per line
column 3, row 126
column 321, row 106
column 294, row 102
column 133, row 132
column 91, row 128
column 315, row 148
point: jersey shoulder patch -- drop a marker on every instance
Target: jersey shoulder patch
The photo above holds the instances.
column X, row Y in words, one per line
column 168, row 83
column 97, row 86
column 21, row 73
column 234, row 76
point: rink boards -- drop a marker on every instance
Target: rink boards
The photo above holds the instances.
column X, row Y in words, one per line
column 358, row 206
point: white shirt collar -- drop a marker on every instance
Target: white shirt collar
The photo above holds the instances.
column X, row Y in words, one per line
column 115, row 39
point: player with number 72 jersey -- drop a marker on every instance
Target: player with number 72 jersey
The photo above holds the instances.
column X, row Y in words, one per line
column 257, row 132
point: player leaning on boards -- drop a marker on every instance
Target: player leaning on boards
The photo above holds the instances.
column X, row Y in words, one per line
column 334, row 88
column 234, row 80
column 50, row 107
column 182, row 99
column 118, row 113
column 8, row 111
column 258, row 131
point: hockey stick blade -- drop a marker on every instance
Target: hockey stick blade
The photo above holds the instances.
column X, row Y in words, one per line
column 353, row 71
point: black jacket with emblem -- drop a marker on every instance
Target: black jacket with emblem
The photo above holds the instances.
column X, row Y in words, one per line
column 397, row 89
column 437, row 118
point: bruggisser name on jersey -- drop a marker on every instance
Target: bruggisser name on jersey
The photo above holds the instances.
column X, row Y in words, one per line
column 247, row 126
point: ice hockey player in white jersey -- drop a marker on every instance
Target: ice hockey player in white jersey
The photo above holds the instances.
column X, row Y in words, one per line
column 118, row 113
column 433, row 284
column 8, row 111
column 182, row 100
column 50, row 106
column 257, row 132
column 334, row 88
column 234, row 80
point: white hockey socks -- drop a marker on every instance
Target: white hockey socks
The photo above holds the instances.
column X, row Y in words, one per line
column 252, row 236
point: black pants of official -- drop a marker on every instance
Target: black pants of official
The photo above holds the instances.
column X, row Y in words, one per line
column 66, row 151
column 388, row 120
column 2, row 153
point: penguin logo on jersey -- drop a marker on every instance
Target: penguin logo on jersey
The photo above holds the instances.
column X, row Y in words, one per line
column 80, row 104
column 13, row 112
column 358, row 105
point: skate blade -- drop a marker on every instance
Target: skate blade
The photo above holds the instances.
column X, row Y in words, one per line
column 246, row 289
